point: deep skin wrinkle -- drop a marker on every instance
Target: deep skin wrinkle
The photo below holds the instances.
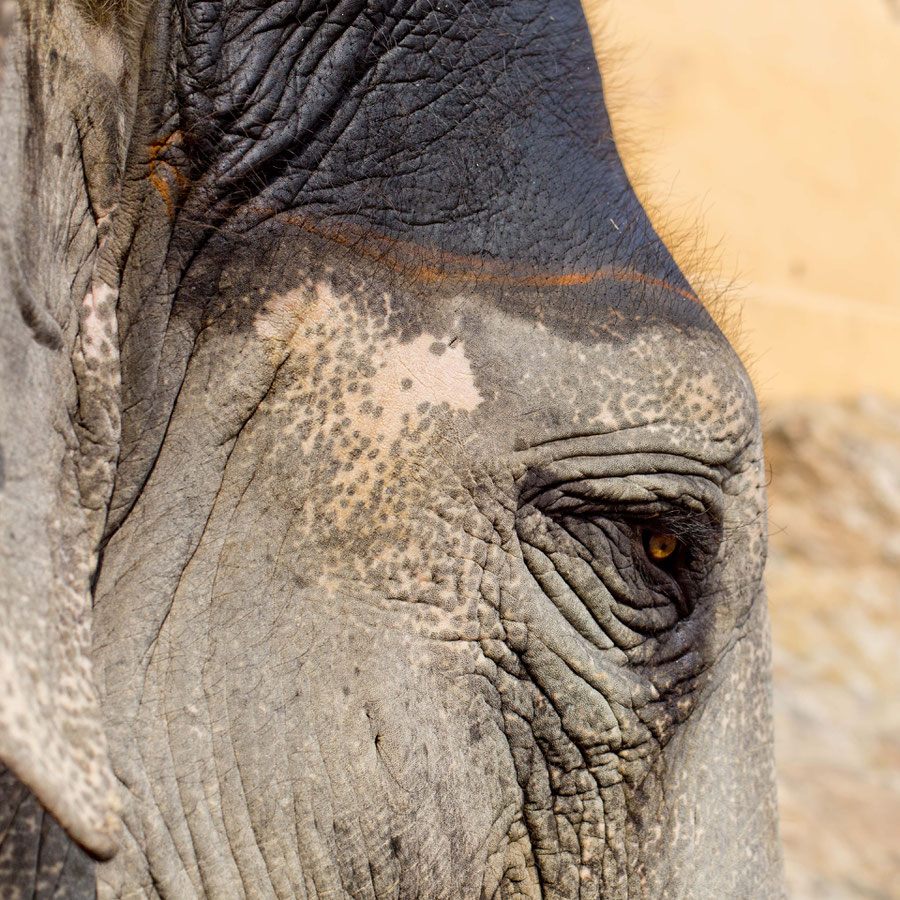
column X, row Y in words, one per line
column 407, row 382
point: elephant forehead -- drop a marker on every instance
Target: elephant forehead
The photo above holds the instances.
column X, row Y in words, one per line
column 377, row 361
column 425, row 370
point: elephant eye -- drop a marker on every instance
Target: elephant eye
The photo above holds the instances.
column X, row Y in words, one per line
column 661, row 547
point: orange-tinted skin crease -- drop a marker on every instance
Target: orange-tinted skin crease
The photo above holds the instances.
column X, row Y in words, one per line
column 158, row 166
column 415, row 261
column 442, row 266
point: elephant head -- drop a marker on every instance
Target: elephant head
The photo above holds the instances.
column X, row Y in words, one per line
column 382, row 513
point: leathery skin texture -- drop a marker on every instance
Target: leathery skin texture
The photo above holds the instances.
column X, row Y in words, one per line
column 374, row 386
column 445, row 689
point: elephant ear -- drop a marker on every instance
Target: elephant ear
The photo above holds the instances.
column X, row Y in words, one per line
column 50, row 731
column 58, row 409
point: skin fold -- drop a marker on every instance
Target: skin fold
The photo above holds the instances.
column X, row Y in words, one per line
column 349, row 399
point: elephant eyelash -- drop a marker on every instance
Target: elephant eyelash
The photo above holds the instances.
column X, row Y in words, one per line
column 690, row 525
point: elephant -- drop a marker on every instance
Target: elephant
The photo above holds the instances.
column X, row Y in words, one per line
column 382, row 511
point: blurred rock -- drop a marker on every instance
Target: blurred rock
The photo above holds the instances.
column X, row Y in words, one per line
column 834, row 592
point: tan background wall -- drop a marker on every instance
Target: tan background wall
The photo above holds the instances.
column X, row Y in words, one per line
column 775, row 125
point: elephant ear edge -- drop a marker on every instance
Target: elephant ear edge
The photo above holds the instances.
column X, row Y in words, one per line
column 51, row 735
column 64, row 124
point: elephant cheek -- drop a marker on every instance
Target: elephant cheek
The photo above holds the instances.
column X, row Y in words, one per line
column 719, row 773
column 375, row 731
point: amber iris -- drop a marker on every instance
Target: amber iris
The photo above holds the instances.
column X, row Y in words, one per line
column 661, row 546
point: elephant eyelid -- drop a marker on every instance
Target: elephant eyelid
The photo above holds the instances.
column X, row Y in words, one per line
column 693, row 526
column 600, row 513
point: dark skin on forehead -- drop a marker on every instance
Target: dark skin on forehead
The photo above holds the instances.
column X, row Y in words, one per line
column 458, row 142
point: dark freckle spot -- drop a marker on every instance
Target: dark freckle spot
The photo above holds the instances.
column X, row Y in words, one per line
column 406, row 384
column 422, row 408
column 346, row 691
column 438, row 348
column 395, row 845
column 366, row 389
column 475, row 733
column 58, row 149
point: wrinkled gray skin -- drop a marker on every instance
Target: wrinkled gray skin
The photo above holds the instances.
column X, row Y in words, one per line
column 346, row 389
